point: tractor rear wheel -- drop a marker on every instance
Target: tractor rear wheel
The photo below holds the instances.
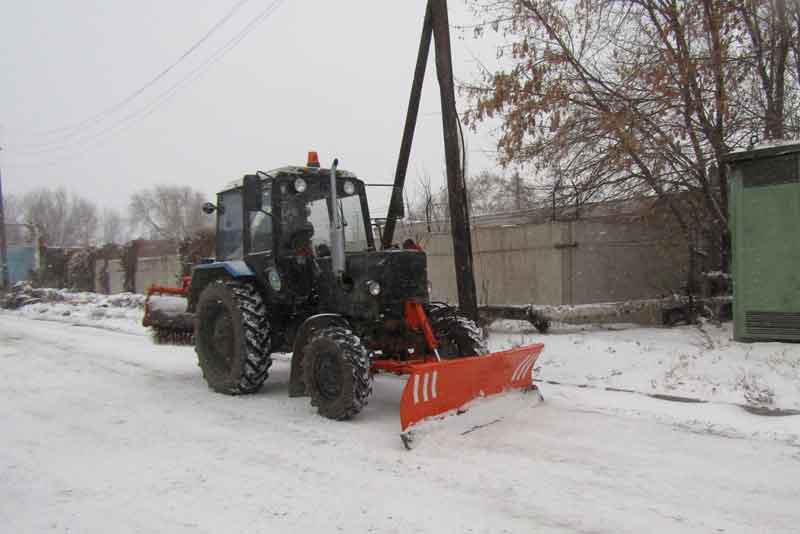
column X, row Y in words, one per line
column 336, row 371
column 458, row 336
column 232, row 338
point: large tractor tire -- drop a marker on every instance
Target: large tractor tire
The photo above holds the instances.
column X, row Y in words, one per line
column 458, row 336
column 232, row 338
column 336, row 371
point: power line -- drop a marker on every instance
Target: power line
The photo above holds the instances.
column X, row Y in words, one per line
column 69, row 131
column 165, row 96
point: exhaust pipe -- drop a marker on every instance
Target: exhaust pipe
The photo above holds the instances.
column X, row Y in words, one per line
column 337, row 235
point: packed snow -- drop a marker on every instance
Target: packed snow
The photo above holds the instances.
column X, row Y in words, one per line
column 701, row 362
column 166, row 303
column 106, row 432
column 121, row 312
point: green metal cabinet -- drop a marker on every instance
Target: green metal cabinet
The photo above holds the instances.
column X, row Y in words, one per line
column 764, row 206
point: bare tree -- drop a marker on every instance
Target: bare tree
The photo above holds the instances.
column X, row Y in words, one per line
column 491, row 193
column 428, row 205
column 793, row 14
column 47, row 210
column 771, row 32
column 60, row 218
column 112, row 227
column 12, row 210
column 82, row 221
column 488, row 194
column 168, row 212
column 425, row 201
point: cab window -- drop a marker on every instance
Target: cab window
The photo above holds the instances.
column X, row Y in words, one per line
column 229, row 226
column 261, row 224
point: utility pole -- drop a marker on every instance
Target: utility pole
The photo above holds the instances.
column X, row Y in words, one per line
column 396, row 204
column 456, row 184
column 3, row 245
column 437, row 27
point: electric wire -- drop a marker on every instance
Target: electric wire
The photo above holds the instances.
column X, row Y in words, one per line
column 165, row 96
column 68, row 131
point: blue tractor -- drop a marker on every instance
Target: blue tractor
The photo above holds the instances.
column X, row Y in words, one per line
column 297, row 270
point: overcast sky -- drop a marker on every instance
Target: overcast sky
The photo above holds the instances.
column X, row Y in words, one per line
column 333, row 76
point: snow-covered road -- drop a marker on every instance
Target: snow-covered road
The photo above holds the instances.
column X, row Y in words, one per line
column 104, row 432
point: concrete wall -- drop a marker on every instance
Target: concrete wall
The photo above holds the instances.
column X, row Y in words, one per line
column 162, row 270
column 116, row 276
column 576, row 262
column 612, row 262
column 513, row 265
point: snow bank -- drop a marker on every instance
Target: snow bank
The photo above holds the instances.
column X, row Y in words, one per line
column 700, row 362
column 121, row 312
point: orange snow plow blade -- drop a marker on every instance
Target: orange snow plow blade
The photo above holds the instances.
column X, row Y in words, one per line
column 434, row 388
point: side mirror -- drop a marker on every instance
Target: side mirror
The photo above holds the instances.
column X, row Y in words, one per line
column 209, row 208
column 253, row 193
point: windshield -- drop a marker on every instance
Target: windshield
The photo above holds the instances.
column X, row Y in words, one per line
column 355, row 236
column 305, row 221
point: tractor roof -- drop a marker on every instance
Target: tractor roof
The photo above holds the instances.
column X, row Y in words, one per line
column 292, row 170
column 295, row 171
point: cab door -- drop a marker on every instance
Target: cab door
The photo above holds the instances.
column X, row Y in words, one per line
column 259, row 246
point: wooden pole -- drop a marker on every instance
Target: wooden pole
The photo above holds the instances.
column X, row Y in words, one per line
column 396, row 204
column 459, row 215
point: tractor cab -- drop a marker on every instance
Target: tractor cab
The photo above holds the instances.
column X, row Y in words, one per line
column 287, row 212
column 305, row 234
column 292, row 236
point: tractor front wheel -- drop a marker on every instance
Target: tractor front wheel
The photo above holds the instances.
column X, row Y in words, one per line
column 336, row 371
column 457, row 335
column 232, row 338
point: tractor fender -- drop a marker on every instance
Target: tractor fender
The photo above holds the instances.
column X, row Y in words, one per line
column 234, row 269
column 297, row 387
column 206, row 273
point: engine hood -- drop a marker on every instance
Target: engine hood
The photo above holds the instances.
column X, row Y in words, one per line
column 402, row 274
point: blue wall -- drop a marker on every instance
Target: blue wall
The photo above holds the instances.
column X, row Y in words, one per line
column 21, row 261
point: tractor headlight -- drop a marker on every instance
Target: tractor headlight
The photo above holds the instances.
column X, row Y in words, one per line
column 349, row 188
column 300, row 185
column 374, row 288
column 274, row 280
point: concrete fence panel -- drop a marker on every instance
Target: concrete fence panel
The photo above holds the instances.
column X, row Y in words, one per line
column 161, row 270
column 574, row 262
column 115, row 273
